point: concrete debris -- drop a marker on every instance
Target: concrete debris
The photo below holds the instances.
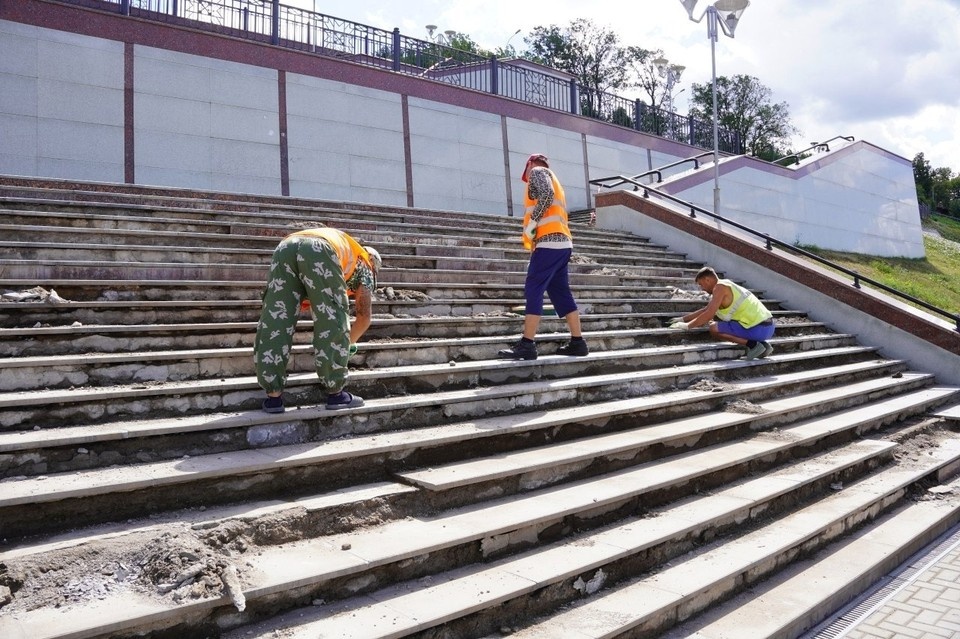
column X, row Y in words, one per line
column 681, row 294
column 592, row 586
column 390, row 293
column 33, row 295
column 232, row 587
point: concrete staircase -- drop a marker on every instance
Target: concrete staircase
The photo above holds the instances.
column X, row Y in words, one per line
column 143, row 493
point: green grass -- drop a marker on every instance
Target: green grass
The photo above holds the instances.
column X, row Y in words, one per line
column 935, row 279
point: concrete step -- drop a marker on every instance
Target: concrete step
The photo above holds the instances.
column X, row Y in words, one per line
column 808, row 592
column 657, row 367
column 368, row 561
column 655, row 603
column 98, row 369
column 50, row 235
column 64, row 338
column 81, row 447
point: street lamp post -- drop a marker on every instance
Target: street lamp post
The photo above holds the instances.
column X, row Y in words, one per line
column 726, row 14
column 671, row 74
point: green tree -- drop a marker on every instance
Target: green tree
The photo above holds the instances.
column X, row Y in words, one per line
column 591, row 53
column 744, row 106
column 923, row 177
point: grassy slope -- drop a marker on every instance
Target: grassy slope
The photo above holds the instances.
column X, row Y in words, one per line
column 935, row 280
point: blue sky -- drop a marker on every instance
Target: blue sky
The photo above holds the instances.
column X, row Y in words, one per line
column 884, row 71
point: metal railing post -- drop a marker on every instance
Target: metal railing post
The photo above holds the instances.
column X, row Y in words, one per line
column 574, row 102
column 275, row 26
column 494, row 75
column 637, row 114
column 125, row 7
column 396, row 48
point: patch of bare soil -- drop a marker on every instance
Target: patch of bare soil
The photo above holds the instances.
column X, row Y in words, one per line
column 744, row 406
column 175, row 566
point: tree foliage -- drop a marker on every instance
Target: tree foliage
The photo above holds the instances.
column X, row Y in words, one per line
column 744, row 106
column 937, row 188
column 591, row 53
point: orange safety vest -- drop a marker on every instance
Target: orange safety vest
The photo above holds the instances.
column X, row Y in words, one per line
column 554, row 219
column 346, row 248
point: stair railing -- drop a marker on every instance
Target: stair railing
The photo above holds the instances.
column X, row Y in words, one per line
column 658, row 172
column 819, row 147
column 771, row 242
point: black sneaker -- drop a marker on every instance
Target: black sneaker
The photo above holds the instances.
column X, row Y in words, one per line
column 273, row 405
column 520, row 350
column 576, row 348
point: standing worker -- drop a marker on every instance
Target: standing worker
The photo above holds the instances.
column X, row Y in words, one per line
column 547, row 234
column 324, row 266
column 744, row 320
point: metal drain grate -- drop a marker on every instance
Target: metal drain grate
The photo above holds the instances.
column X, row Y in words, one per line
column 860, row 608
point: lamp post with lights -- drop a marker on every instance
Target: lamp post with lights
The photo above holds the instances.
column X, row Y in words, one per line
column 726, row 14
column 671, row 74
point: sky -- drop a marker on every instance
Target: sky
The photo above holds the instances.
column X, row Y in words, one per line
column 884, row 71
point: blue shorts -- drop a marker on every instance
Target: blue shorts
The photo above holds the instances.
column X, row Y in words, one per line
column 760, row 332
column 547, row 272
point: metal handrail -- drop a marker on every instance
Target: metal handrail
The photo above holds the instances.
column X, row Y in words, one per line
column 817, row 146
column 771, row 242
column 658, row 172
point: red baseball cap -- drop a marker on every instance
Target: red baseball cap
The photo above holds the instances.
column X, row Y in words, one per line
column 536, row 157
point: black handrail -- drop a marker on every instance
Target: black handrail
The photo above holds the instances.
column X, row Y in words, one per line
column 772, row 242
column 817, row 146
column 658, row 172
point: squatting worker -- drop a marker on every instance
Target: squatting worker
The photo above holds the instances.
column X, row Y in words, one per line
column 324, row 266
column 547, row 234
column 744, row 320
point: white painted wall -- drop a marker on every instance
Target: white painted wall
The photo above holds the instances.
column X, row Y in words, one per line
column 205, row 123
column 344, row 142
column 61, row 104
column 210, row 124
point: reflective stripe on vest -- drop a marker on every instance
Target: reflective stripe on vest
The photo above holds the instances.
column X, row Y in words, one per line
column 554, row 219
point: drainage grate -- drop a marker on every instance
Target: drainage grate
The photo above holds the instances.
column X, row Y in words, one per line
column 860, row 608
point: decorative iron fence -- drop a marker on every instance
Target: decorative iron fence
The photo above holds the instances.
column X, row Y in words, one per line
column 293, row 27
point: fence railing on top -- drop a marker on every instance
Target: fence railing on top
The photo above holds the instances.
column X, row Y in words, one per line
column 292, row 27
column 770, row 242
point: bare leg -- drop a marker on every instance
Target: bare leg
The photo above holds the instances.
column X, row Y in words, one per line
column 530, row 325
column 573, row 322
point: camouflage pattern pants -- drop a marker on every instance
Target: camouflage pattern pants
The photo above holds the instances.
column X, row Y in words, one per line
column 303, row 267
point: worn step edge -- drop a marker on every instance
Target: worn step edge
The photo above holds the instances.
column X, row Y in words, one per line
column 657, row 602
column 141, row 428
column 120, row 479
column 805, row 594
column 488, row 370
column 319, row 560
column 671, row 433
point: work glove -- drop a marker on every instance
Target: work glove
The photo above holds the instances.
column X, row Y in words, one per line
column 530, row 230
column 674, row 320
column 352, row 351
column 680, row 325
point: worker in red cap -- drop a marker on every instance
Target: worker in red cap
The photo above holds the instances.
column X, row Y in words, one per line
column 547, row 234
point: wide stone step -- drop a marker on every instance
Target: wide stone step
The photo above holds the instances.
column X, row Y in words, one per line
column 653, row 369
column 97, row 369
column 808, row 592
column 67, row 339
column 48, row 239
column 655, row 603
column 431, row 438
column 329, row 567
column 85, row 497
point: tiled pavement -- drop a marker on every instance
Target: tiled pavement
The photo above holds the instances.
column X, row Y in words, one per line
column 920, row 600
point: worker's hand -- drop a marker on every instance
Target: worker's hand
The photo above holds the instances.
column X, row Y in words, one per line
column 680, row 325
column 530, row 230
column 675, row 320
column 353, row 350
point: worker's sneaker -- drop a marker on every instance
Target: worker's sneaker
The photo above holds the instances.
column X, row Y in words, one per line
column 520, row 350
column 343, row 399
column 576, row 348
column 273, row 405
column 767, row 349
column 755, row 352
